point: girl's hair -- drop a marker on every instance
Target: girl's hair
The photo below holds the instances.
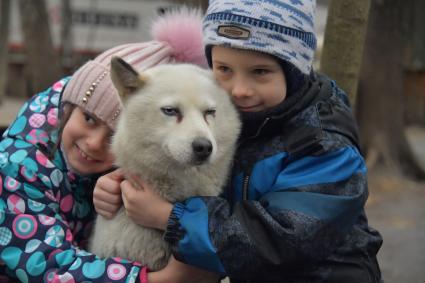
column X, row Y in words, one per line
column 63, row 116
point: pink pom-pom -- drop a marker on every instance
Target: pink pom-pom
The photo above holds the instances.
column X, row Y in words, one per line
column 182, row 29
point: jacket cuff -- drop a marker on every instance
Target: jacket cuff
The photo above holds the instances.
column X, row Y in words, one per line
column 174, row 232
column 143, row 275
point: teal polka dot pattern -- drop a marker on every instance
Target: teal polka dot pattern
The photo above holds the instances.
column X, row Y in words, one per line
column 29, row 169
column 33, row 192
column 36, row 206
column 39, row 103
column 76, row 264
column 55, row 236
column 65, row 257
column 18, row 125
column 56, row 177
column 11, row 256
column 4, row 158
column 22, row 275
column 36, row 264
column 4, row 144
column 55, row 99
column 32, row 245
column 22, row 144
column 18, row 156
column 93, row 270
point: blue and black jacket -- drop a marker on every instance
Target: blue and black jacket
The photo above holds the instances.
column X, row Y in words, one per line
column 294, row 209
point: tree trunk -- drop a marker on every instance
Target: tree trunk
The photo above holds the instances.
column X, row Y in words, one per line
column 344, row 40
column 43, row 61
column 67, row 59
column 414, row 62
column 380, row 102
column 4, row 46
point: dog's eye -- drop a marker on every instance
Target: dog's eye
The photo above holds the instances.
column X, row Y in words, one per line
column 210, row 112
column 170, row 111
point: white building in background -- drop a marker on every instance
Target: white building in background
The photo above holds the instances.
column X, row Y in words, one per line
column 96, row 24
column 101, row 24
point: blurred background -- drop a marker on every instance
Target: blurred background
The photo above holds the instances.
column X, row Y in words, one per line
column 374, row 49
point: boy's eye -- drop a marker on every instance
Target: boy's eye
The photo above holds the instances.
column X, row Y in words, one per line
column 261, row 71
column 223, row 69
column 170, row 111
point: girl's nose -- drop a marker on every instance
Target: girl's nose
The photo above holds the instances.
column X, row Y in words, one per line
column 98, row 140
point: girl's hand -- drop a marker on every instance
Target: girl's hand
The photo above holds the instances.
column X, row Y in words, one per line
column 143, row 205
column 178, row 272
column 107, row 194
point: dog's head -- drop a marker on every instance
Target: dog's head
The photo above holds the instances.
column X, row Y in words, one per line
column 174, row 114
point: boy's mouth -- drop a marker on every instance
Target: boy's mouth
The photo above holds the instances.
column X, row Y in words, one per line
column 249, row 108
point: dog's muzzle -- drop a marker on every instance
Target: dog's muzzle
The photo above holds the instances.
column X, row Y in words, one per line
column 202, row 149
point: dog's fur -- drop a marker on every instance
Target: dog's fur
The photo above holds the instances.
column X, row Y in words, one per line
column 172, row 115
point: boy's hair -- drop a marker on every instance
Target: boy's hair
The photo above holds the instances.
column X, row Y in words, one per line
column 284, row 29
column 91, row 87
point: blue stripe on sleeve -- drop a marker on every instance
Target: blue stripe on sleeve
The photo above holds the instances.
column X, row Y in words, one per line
column 331, row 167
column 196, row 246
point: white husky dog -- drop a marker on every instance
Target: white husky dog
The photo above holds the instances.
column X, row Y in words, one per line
column 178, row 130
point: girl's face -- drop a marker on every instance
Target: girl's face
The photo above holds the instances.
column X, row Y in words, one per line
column 86, row 143
column 254, row 80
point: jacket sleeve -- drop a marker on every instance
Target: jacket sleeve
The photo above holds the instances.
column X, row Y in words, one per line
column 303, row 214
column 39, row 248
column 38, row 229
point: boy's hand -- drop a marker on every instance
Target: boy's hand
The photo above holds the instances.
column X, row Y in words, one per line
column 143, row 205
column 107, row 194
column 178, row 272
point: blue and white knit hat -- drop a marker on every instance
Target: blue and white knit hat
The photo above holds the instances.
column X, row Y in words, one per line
column 282, row 28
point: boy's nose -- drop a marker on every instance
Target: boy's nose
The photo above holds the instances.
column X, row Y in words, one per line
column 241, row 89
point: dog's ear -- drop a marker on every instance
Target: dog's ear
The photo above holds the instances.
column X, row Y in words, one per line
column 125, row 78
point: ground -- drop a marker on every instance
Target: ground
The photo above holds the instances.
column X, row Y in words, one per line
column 396, row 208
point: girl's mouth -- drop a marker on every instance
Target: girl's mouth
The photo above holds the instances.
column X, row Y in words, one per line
column 84, row 155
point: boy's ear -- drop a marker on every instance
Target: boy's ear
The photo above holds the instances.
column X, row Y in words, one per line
column 125, row 78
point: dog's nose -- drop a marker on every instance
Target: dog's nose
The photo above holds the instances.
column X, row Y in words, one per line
column 202, row 148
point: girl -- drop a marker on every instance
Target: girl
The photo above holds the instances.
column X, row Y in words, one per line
column 53, row 153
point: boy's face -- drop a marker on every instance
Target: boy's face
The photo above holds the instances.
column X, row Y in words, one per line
column 254, row 80
column 86, row 143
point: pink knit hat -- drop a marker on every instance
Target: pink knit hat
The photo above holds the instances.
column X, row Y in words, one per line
column 177, row 39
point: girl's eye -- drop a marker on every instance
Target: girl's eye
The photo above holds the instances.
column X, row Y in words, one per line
column 170, row 111
column 89, row 119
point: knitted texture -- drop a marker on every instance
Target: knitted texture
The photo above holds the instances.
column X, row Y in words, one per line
column 284, row 29
column 91, row 86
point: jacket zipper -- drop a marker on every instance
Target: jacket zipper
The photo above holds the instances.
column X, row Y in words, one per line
column 245, row 187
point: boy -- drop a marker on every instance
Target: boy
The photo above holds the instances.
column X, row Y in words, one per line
column 294, row 209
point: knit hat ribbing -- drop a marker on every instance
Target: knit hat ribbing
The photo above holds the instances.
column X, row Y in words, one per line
column 91, row 87
column 284, row 29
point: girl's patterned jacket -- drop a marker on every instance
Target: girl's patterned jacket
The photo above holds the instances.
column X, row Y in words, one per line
column 46, row 210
